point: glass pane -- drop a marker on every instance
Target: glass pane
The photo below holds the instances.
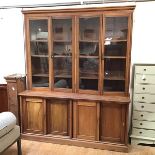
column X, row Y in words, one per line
column 116, row 49
column 62, row 72
column 89, row 28
column 89, row 48
column 89, row 53
column 62, row 29
column 38, row 29
column 114, row 85
column 116, row 27
column 62, row 51
column 88, row 68
column 39, row 52
column 114, row 74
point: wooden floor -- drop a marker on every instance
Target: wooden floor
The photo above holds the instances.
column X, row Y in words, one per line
column 40, row 148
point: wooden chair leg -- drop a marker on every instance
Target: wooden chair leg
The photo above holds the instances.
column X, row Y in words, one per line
column 19, row 146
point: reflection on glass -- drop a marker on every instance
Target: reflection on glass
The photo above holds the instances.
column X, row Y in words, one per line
column 62, row 52
column 89, row 48
column 39, row 48
column 116, row 49
column 62, row 29
column 89, row 28
column 62, row 48
column 39, row 52
column 114, row 74
column 116, row 27
column 88, row 69
column 114, row 85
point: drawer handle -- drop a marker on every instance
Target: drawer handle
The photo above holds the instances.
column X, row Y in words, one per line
column 142, row 106
column 143, row 88
column 140, row 132
column 141, row 123
column 144, row 69
column 143, row 97
column 141, row 115
column 144, row 79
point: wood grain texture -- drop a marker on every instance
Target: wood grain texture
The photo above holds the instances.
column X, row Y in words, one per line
column 3, row 98
column 76, row 96
column 40, row 148
column 58, row 117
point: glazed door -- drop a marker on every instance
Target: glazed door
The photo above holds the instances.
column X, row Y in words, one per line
column 62, row 53
column 88, row 55
column 86, row 120
column 115, row 56
column 38, row 55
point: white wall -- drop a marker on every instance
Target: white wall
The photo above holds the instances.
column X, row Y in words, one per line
column 11, row 43
column 143, row 38
column 12, row 40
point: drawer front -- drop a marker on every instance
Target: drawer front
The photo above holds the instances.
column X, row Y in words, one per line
column 143, row 124
column 148, row 98
column 143, row 132
column 145, row 69
column 144, row 107
column 144, row 88
column 146, row 79
column 142, row 115
column 135, row 141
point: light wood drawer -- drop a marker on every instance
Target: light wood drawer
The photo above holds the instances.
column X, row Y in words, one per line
column 144, row 88
column 144, row 98
column 142, row 115
column 143, row 132
column 145, row 69
column 143, row 124
column 146, row 79
column 136, row 141
column 144, row 107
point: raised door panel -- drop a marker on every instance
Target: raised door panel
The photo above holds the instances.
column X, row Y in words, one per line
column 112, row 125
column 33, row 115
column 85, row 117
column 59, row 117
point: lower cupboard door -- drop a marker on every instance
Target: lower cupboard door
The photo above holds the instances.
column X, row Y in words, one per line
column 59, row 117
column 86, row 120
column 112, row 123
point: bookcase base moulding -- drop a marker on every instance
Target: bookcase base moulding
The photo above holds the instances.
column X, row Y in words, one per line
column 78, row 73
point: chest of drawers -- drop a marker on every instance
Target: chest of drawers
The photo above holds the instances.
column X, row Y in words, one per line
column 143, row 114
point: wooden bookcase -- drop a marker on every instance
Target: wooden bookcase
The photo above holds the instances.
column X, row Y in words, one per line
column 78, row 63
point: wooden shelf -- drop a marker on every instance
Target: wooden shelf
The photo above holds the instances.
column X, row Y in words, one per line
column 63, row 76
column 114, row 78
column 116, row 40
column 41, row 75
column 114, row 57
column 63, row 41
column 62, row 56
column 39, row 40
column 89, row 56
column 89, row 41
column 40, row 56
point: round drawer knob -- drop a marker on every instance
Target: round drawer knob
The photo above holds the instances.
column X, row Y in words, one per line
column 140, row 132
column 141, row 123
column 144, row 69
column 141, row 115
column 143, row 88
column 143, row 97
column 144, row 79
column 142, row 106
